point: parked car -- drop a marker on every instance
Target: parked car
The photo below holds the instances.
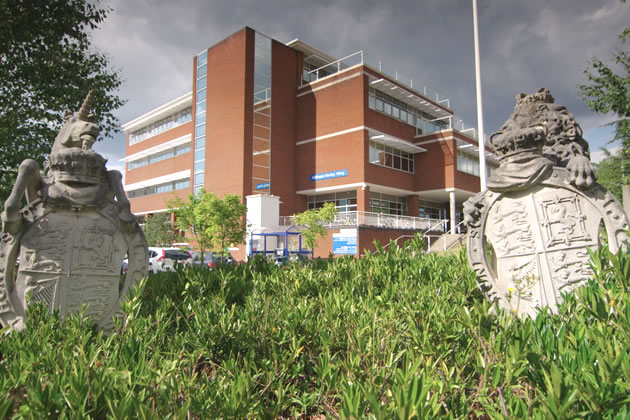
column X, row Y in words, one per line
column 165, row 259
column 125, row 266
column 210, row 259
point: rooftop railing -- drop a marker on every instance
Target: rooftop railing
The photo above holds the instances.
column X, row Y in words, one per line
column 364, row 58
column 447, row 123
column 380, row 220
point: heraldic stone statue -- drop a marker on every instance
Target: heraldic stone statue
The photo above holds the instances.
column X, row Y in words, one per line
column 73, row 234
column 542, row 210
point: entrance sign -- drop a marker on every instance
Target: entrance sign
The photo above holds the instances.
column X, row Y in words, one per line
column 345, row 242
column 329, row 175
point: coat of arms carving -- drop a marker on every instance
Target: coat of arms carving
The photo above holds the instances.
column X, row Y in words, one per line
column 529, row 234
column 66, row 247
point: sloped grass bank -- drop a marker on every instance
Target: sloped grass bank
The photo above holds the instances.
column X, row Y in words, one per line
column 387, row 336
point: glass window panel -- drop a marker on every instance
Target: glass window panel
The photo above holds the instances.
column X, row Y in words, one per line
column 262, row 56
column 202, row 71
column 201, row 118
column 202, row 58
column 201, row 95
column 199, row 179
column 197, row 189
column 201, row 107
column 200, row 166
column 201, row 83
column 261, row 81
column 200, row 130
column 200, row 143
column 388, row 108
column 396, row 112
column 372, row 102
column 200, row 154
column 182, row 184
column 263, row 69
column 379, row 104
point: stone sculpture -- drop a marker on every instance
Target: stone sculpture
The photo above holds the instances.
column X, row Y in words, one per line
column 542, row 210
column 72, row 235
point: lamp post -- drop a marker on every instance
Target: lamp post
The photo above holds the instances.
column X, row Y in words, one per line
column 482, row 146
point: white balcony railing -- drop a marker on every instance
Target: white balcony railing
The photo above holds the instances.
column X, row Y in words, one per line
column 452, row 122
column 361, row 57
column 389, row 221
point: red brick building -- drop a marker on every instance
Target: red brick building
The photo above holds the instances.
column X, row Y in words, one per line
column 265, row 117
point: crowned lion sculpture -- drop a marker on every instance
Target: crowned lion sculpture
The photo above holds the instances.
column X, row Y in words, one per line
column 528, row 234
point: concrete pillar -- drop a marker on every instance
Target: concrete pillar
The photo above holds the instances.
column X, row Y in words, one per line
column 263, row 210
column 413, row 205
column 453, row 211
column 626, row 199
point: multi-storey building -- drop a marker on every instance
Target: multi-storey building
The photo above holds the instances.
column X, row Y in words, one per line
column 265, row 117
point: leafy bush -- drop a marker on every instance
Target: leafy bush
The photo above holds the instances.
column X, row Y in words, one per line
column 391, row 335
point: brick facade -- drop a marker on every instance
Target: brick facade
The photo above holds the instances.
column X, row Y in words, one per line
column 319, row 127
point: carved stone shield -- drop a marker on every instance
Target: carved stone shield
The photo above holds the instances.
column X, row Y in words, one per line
column 69, row 258
column 531, row 245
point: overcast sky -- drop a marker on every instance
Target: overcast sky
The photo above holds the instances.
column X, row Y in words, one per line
column 524, row 45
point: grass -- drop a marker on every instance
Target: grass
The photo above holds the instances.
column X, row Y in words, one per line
column 387, row 336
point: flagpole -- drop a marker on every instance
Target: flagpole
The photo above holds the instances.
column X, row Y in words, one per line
column 482, row 147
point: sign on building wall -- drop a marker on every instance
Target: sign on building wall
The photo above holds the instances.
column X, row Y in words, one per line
column 263, row 186
column 328, row 175
column 345, row 242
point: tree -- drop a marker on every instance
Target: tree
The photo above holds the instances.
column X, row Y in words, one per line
column 610, row 91
column 158, row 230
column 47, row 65
column 215, row 222
column 314, row 220
column 610, row 173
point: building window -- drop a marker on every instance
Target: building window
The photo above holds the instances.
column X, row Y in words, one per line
column 388, row 204
column 158, row 189
column 386, row 104
column 175, row 151
column 161, row 126
column 261, row 133
column 391, row 158
column 431, row 209
column 344, row 201
column 200, row 122
column 467, row 164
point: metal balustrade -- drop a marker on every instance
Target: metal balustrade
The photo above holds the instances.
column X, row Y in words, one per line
column 361, row 57
column 447, row 123
column 380, row 220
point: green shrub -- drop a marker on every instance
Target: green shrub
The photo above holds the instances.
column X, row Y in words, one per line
column 391, row 335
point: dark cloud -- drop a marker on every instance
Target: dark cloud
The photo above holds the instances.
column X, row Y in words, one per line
column 524, row 45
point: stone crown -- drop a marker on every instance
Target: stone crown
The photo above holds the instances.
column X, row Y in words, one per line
column 526, row 141
column 74, row 165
